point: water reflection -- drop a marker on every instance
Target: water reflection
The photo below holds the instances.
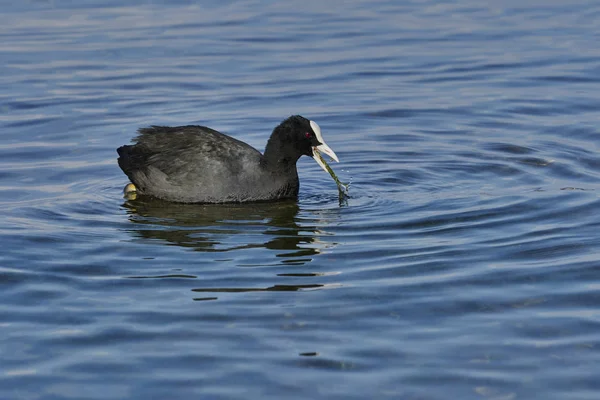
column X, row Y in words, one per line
column 227, row 227
column 274, row 288
column 255, row 235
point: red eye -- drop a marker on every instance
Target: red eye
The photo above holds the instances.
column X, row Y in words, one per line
column 308, row 135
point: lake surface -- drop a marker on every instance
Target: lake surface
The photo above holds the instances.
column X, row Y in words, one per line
column 464, row 265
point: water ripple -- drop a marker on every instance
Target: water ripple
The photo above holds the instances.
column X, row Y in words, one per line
column 463, row 264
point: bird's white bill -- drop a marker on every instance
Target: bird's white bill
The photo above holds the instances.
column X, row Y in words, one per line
column 323, row 148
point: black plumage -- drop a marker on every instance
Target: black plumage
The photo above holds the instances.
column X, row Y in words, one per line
column 196, row 164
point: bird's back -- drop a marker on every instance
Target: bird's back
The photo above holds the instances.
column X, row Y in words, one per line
column 191, row 164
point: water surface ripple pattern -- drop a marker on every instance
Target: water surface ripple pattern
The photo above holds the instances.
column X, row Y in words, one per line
column 464, row 264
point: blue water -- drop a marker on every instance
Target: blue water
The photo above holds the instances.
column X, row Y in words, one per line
column 464, row 265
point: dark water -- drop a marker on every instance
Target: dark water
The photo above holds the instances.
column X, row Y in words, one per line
column 465, row 265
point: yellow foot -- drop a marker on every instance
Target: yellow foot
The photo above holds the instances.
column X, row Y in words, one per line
column 130, row 191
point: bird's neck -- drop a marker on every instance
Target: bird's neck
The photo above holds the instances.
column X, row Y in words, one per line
column 278, row 156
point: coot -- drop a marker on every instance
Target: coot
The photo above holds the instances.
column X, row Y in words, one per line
column 196, row 164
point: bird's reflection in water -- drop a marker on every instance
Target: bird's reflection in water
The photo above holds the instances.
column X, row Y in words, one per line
column 274, row 288
column 287, row 234
column 228, row 227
